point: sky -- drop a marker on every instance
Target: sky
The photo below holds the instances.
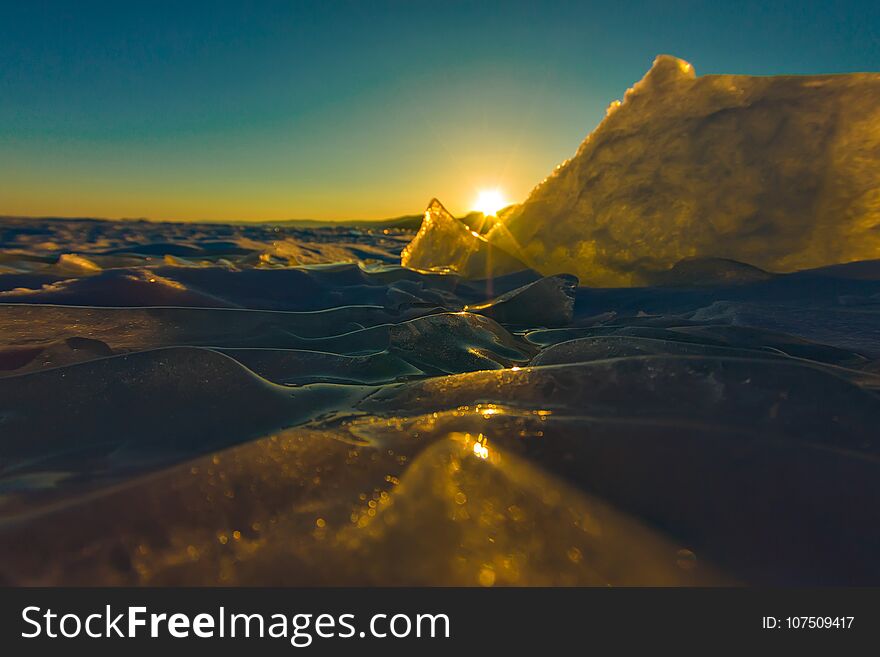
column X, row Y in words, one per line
column 350, row 110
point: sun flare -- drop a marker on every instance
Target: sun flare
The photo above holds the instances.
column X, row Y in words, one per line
column 489, row 202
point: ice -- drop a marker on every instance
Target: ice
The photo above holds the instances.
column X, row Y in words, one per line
column 350, row 421
column 301, row 367
column 547, row 302
column 444, row 243
column 92, row 412
column 782, row 173
column 708, row 271
column 769, row 397
column 583, row 350
column 459, row 342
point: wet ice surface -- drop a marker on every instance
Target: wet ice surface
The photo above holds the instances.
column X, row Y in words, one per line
column 245, row 405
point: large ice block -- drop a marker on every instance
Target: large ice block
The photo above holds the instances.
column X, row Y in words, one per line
column 782, row 173
column 779, row 172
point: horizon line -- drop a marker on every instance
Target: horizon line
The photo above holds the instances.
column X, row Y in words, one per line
column 211, row 221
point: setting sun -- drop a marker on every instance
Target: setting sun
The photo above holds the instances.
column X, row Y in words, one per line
column 489, row 202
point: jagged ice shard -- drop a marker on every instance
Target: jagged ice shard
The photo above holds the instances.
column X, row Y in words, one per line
column 779, row 172
column 447, row 244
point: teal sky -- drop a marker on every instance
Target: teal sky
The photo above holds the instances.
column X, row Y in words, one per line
column 342, row 110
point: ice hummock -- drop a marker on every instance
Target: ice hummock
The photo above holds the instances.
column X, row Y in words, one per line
column 447, row 244
column 782, row 173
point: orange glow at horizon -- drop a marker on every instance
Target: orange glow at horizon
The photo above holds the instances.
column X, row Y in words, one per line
column 490, row 201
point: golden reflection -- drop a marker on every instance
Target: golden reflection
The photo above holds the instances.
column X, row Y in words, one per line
column 474, row 514
column 486, row 577
column 478, row 445
column 481, row 449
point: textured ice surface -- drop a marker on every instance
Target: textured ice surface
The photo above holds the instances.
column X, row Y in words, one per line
column 364, row 423
column 782, row 173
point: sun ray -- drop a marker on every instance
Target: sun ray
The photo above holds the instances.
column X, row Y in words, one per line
column 489, row 202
